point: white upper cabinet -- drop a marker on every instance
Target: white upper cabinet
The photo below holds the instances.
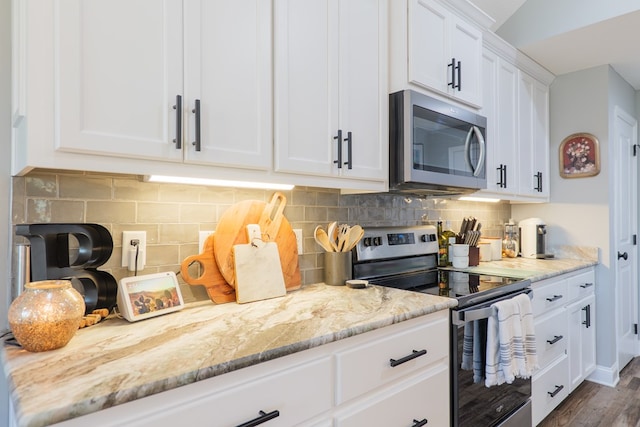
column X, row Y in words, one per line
column 444, row 52
column 228, row 73
column 119, row 70
column 500, row 107
column 124, row 92
column 331, row 98
column 533, row 114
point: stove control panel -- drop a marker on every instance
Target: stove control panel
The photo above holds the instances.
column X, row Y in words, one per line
column 394, row 242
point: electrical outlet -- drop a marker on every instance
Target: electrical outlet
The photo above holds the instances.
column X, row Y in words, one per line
column 298, row 233
column 202, row 236
column 128, row 250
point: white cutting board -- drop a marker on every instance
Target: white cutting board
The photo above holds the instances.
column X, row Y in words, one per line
column 258, row 272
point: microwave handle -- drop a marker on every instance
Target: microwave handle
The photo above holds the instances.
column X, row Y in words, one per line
column 477, row 168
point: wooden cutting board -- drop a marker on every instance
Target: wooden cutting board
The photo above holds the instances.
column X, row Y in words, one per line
column 232, row 230
column 258, row 272
column 217, row 287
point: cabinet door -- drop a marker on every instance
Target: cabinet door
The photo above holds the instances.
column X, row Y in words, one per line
column 582, row 348
column 533, row 141
column 490, row 111
column 119, row 71
column 466, row 49
column 429, row 45
column 305, row 92
column 330, row 80
column 505, row 149
column 228, row 69
column 363, row 88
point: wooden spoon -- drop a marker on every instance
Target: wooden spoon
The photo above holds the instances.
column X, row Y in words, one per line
column 343, row 233
column 355, row 234
column 322, row 239
column 332, row 232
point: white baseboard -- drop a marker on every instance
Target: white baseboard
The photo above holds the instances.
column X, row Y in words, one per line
column 608, row 376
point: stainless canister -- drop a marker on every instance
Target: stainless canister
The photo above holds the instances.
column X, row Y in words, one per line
column 337, row 268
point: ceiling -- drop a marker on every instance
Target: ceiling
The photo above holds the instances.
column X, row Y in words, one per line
column 611, row 41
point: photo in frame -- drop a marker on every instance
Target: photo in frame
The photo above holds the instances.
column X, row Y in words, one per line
column 150, row 295
column 579, row 156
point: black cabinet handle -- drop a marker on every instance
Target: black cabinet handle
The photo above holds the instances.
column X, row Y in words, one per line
column 196, row 110
column 452, row 83
column 263, row 418
column 555, row 339
column 504, row 168
column 416, row 353
column 623, row 255
column 422, row 422
column 538, row 178
column 339, row 139
column 503, row 176
column 349, row 161
column 178, row 107
column 459, row 69
column 587, row 313
column 556, row 391
column 586, row 285
column 554, row 298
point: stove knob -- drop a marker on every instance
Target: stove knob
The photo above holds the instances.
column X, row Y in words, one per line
column 424, row 238
column 377, row 241
column 366, row 241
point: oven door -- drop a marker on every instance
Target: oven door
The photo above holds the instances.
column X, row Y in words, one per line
column 472, row 403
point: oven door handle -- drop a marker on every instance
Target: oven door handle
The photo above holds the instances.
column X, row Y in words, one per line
column 463, row 316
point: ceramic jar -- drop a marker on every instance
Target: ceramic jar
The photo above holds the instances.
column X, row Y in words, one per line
column 46, row 315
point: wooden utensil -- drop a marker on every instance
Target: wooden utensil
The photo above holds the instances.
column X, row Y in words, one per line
column 343, row 232
column 322, row 239
column 332, row 232
column 355, row 234
column 258, row 272
column 218, row 289
column 231, row 230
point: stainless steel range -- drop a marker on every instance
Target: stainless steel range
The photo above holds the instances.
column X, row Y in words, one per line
column 406, row 258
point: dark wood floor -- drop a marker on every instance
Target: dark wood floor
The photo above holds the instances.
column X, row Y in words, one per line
column 597, row 405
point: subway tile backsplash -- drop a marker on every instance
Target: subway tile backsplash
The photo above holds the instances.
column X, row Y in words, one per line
column 172, row 215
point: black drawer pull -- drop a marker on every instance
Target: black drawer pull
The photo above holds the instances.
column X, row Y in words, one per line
column 586, row 285
column 555, row 339
column 263, row 418
column 178, row 107
column 416, row 353
column 422, row 422
column 554, row 298
column 556, row 391
column 339, row 139
column 196, row 111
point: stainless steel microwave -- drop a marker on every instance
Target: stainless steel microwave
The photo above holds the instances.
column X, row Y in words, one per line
column 435, row 147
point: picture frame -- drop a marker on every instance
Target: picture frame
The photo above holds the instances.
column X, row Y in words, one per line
column 579, row 156
column 150, row 295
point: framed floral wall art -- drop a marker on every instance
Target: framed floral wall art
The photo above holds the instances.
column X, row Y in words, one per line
column 579, row 156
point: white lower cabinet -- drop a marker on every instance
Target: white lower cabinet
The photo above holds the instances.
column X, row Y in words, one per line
column 390, row 376
column 564, row 313
column 424, row 399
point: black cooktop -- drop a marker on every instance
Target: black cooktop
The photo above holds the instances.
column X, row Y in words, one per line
column 467, row 288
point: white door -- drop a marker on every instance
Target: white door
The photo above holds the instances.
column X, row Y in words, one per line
column 624, row 253
column 507, row 135
column 228, row 70
column 466, row 49
column 305, row 86
column 119, row 70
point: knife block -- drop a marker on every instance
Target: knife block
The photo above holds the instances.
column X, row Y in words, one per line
column 474, row 256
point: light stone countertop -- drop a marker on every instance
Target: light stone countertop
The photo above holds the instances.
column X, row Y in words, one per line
column 116, row 361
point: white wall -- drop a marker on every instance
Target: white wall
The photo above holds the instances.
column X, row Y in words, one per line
column 578, row 213
column 5, row 182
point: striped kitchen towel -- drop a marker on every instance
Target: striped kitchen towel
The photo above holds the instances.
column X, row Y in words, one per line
column 511, row 341
column 474, row 348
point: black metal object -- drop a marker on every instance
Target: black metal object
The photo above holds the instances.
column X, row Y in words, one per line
column 393, row 362
column 196, row 110
column 349, row 161
column 50, row 259
column 263, row 418
column 538, row 177
column 555, row 339
column 587, row 312
column 623, row 255
column 178, row 107
column 503, row 176
column 556, row 391
column 339, row 139
column 554, row 298
column 420, row 423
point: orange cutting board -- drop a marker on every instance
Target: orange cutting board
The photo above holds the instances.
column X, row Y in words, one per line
column 217, row 287
column 232, row 230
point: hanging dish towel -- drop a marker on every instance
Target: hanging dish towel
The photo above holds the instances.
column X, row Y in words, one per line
column 511, row 341
column 474, row 348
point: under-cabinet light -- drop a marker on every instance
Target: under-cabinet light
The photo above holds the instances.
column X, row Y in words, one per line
column 478, row 199
column 217, row 182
